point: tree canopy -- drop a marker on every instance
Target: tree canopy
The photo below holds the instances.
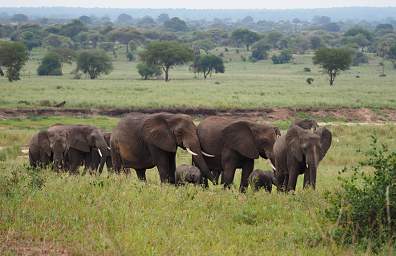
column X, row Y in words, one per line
column 51, row 65
column 245, row 37
column 333, row 61
column 209, row 63
column 94, row 63
column 13, row 56
column 166, row 54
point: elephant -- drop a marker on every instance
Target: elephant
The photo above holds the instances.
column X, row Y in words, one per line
column 188, row 174
column 235, row 144
column 299, row 151
column 143, row 141
column 48, row 146
column 307, row 124
column 80, row 141
column 93, row 159
column 262, row 179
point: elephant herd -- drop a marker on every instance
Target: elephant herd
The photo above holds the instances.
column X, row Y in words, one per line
column 218, row 146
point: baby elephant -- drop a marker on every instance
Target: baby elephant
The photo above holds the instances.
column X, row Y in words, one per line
column 262, row 179
column 188, row 174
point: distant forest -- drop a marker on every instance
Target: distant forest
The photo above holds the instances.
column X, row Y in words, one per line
column 336, row 14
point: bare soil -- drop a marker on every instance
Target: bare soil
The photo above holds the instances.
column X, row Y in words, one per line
column 271, row 114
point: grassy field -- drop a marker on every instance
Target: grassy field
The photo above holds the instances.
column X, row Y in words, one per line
column 41, row 211
column 118, row 215
column 245, row 85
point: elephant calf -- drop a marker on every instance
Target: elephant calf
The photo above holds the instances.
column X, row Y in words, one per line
column 188, row 174
column 262, row 179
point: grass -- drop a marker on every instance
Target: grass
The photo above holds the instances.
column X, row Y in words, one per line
column 118, row 215
column 245, row 85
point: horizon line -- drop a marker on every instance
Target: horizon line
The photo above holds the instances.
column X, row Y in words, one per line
column 200, row 9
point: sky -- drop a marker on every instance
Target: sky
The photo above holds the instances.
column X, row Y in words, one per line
column 200, row 4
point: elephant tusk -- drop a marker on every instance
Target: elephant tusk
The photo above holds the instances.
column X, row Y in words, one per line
column 100, row 153
column 108, row 148
column 272, row 166
column 206, row 154
column 191, row 152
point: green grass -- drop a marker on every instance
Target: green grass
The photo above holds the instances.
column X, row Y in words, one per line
column 118, row 215
column 245, row 85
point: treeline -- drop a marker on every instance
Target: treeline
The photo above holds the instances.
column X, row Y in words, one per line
column 279, row 41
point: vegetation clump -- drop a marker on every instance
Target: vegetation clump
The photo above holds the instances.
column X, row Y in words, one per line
column 364, row 209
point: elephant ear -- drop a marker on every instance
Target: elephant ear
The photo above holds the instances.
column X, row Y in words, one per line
column 157, row 132
column 294, row 143
column 325, row 140
column 239, row 137
column 79, row 141
column 44, row 143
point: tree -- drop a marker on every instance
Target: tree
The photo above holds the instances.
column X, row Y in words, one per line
column 124, row 19
column 284, row 57
column 50, row 65
column 260, row 50
column 94, row 63
column 209, row 63
column 166, row 54
column 148, row 71
column 57, row 41
column 163, row 17
column 73, row 28
column 244, row 36
column 175, row 24
column 13, row 55
column 19, row 17
column 333, row 61
column 392, row 54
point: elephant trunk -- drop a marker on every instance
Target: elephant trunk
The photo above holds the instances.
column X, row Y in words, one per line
column 198, row 158
column 313, row 168
column 104, row 152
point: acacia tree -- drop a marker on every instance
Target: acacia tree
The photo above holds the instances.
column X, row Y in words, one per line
column 207, row 64
column 245, row 36
column 333, row 61
column 166, row 54
column 94, row 63
column 13, row 55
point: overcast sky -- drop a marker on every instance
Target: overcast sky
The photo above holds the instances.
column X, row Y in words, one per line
column 200, row 4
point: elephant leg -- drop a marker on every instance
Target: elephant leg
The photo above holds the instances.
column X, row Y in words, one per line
column 116, row 162
column 161, row 160
column 293, row 175
column 228, row 173
column 172, row 168
column 141, row 174
column 306, row 179
column 247, row 169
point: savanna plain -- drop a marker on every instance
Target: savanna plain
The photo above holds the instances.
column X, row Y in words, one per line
column 118, row 215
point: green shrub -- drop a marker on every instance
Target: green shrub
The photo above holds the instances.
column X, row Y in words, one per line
column 51, row 65
column 284, row 57
column 148, row 71
column 364, row 209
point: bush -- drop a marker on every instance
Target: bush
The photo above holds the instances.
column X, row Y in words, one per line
column 51, row 65
column 310, row 80
column 284, row 57
column 365, row 206
column 130, row 56
column 147, row 71
column 307, row 70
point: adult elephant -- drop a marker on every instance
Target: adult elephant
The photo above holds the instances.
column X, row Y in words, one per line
column 48, row 146
column 299, row 151
column 143, row 141
column 235, row 144
column 93, row 159
column 81, row 140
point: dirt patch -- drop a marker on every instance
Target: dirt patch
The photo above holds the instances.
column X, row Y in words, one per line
column 270, row 114
column 23, row 246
